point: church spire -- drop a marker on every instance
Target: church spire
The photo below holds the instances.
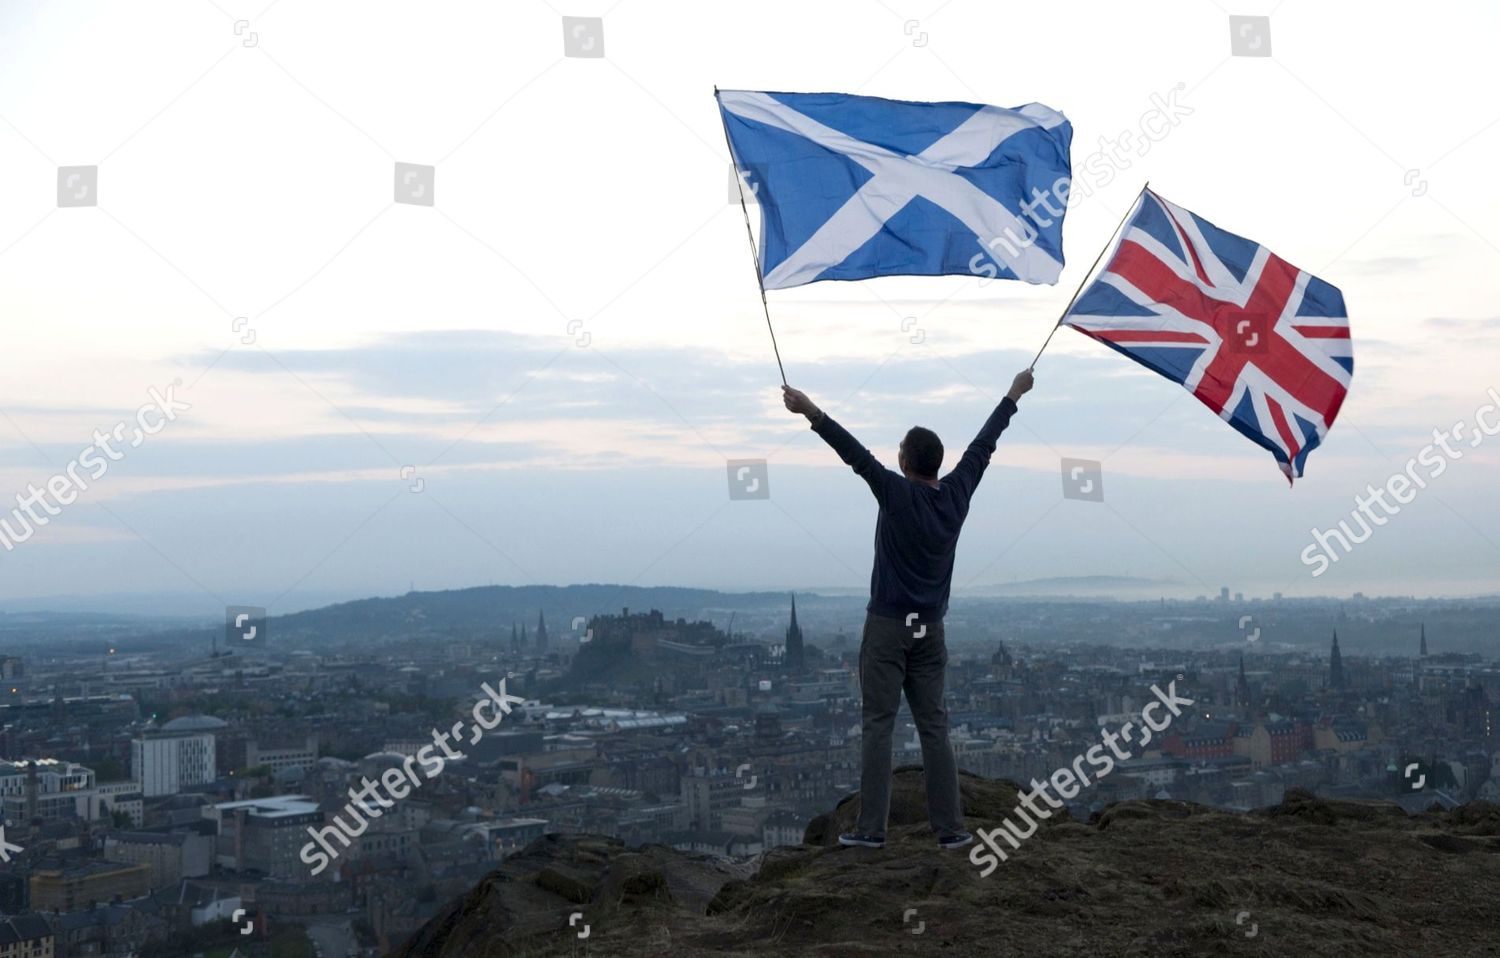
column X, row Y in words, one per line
column 1424, row 640
column 795, row 650
column 1335, row 664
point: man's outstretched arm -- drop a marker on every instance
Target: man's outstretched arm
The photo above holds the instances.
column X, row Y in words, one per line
column 856, row 456
column 970, row 468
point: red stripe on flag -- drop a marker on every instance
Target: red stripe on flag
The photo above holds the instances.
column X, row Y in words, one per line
column 1188, row 245
column 1153, row 277
column 1149, row 335
column 1279, row 418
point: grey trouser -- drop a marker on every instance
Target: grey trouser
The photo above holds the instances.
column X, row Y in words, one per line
column 894, row 657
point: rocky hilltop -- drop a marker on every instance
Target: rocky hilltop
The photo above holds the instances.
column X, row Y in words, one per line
column 1157, row 878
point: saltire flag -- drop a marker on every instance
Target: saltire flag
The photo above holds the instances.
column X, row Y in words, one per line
column 851, row 187
column 1263, row 344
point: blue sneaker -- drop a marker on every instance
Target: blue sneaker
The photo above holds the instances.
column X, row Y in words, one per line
column 863, row 841
column 954, row 840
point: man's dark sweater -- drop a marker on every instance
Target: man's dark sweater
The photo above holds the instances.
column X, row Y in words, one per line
column 916, row 533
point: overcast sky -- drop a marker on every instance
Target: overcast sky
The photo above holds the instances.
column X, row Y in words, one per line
column 246, row 169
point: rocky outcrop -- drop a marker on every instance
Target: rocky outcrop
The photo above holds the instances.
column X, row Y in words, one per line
column 1152, row 878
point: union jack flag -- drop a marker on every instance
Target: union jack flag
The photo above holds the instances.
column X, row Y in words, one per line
column 1263, row 344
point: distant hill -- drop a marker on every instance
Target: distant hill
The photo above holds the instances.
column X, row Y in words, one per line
column 490, row 610
column 1085, row 585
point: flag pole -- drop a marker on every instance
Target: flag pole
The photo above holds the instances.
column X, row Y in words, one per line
column 1058, row 325
column 754, row 252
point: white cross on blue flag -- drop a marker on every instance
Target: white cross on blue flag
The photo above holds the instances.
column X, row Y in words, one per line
column 852, row 187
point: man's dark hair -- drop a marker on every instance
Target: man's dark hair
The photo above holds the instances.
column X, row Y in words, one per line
column 923, row 451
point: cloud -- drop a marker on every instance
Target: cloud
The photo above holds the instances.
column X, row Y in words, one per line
column 1386, row 265
column 1475, row 324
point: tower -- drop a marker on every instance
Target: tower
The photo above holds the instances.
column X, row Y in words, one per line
column 1335, row 665
column 1001, row 661
column 795, row 654
column 515, row 640
column 1242, row 687
column 1423, row 652
column 541, row 633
